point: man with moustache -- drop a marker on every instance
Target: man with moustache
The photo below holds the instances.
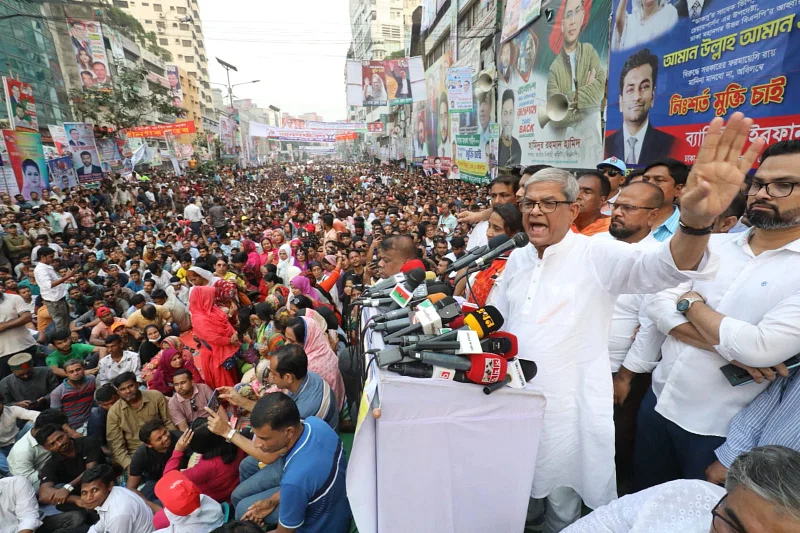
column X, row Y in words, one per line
column 558, row 293
column 749, row 315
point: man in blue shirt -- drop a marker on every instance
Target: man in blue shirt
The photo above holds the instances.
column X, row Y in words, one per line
column 670, row 176
column 312, row 493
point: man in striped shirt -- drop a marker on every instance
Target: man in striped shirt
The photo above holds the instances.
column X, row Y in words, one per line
column 75, row 395
column 772, row 418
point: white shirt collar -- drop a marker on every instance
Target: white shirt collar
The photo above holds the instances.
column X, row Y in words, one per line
column 639, row 136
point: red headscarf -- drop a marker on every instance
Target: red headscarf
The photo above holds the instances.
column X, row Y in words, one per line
column 556, row 35
column 210, row 323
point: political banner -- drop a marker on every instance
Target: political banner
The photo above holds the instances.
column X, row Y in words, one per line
column 26, row 159
column 110, row 156
column 428, row 14
column 374, row 84
column 258, row 129
column 9, row 182
column 434, row 112
column 293, row 123
column 21, row 105
column 470, row 164
column 398, row 81
column 172, row 144
column 59, row 136
column 175, row 87
column 62, row 173
column 90, row 53
column 517, row 15
column 158, row 130
column 459, row 89
column 336, row 126
column 674, row 67
column 439, row 165
column 83, row 150
column 376, row 127
column 549, row 109
column 227, row 131
column 117, row 51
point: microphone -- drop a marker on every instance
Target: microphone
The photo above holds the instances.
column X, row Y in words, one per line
column 520, row 240
column 391, row 281
column 447, row 309
column 405, row 311
column 483, row 321
column 419, row 370
column 374, row 302
column 494, row 242
column 482, row 368
column 501, row 343
column 411, row 279
column 520, row 370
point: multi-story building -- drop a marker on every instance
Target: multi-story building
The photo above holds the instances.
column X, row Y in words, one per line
column 178, row 29
column 191, row 99
column 28, row 53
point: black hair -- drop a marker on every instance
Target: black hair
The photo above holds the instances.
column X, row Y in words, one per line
column 511, row 215
column 104, row 393
column 50, row 417
column 269, row 277
column 103, row 472
column 457, row 242
column 210, row 445
column 265, row 311
column 291, row 359
column 605, row 185
column 182, row 372
column 277, row 410
column 327, row 219
column 43, row 433
column 635, row 173
column 137, row 299
column 149, row 427
column 781, row 148
column 506, row 179
column 678, row 171
column 44, row 251
column 508, row 94
column 240, row 257
column 298, row 326
column 123, row 378
column 158, row 294
column 111, row 338
column 302, row 302
column 60, row 335
column 636, row 60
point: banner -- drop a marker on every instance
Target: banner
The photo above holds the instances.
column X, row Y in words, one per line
column 257, row 129
column 158, row 130
column 227, row 132
column 470, row 164
column 26, row 158
column 434, row 112
column 175, row 87
column 9, row 182
column 59, row 136
column 428, row 14
column 459, row 89
column 336, row 126
column 110, row 156
column 62, row 173
column 83, row 149
column 398, row 81
column 21, row 105
column 117, row 52
column 374, row 84
column 673, row 71
column 439, row 165
column 545, row 115
column 376, row 127
column 90, row 53
column 293, row 123
column 518, row 14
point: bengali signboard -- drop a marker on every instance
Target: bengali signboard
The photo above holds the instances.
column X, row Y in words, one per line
column 470, row 164
column 459, row 89
column 59, row 136
column 158, row 130
column 376, row 127
column 673, row 71
column 21, row 105
column 175, row 87
column 549, row 109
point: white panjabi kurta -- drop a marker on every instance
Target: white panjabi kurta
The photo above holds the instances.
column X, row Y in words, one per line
column 560, row 309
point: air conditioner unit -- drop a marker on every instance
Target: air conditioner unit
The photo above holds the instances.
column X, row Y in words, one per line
column 162, row 15
column 161, row 30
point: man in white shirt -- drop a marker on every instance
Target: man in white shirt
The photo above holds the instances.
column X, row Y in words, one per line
column 557, row 296
column 748, row 315
column 502, row 190
column 53, row 288
column 19, row 509
column 194, row 214
column 118, row 361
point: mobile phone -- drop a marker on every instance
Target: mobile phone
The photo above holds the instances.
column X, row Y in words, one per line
column 738, row 376
column 213, row 401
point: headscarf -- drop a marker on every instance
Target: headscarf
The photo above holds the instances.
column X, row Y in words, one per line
column 268, row 256
column 252, row 269
column 210, row 323
column 148, row 349
column 205, row 274
column 302, row 265
column 282, row 235
column 162, row 377
column 321, row 358
column 302, row 283
column 284, row 264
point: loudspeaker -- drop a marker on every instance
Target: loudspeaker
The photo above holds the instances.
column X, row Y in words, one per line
column 556, row 109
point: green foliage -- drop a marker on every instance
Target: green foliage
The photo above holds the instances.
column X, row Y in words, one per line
column 126, row 103
column 400, row 54
column 120, row 19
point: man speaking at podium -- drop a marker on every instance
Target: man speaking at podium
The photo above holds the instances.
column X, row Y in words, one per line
column 557, row 296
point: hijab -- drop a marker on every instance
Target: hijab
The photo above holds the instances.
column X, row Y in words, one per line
column 321, row 358
column 302, row 283
column 162, row 378
column 284, row 264
column 205, row 274
column 210, row 323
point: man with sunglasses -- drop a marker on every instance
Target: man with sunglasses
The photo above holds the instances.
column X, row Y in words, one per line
column 749, row 315
column 615, row 170
column 761, row 494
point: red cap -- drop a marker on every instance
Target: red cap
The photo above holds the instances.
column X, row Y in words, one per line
column 103, row 311
column 179, row 496
column 411, row 264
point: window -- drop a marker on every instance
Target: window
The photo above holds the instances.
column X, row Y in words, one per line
column 120, row 3
column 148, row 21
column 181, row 11
column 172, row 8
column 184, row 27
column 146, row 4
column 189, row 59
column 192, row 74
column 163, row 42
column 186, row 44
column 180, row 56
column 174, row 24
column 157, row 8
column 160, row 24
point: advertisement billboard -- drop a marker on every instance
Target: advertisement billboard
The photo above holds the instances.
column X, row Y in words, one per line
column 90, row 53
column 26, row 158
column 83, row 150
column 21, row 105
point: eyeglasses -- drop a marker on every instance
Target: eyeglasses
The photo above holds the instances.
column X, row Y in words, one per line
column 628, row 208
column 193, row 403
column 545, row 206
column 717, row 520
column 776, row 189
column 611, row 172
column 569, row 14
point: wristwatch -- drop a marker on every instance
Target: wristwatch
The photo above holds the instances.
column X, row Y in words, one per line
column 230, row 435
column 69, row 487
column 686, row 303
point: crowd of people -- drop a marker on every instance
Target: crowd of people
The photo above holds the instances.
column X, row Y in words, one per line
column 175, row 352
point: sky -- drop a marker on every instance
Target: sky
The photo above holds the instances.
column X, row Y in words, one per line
column 297, row 48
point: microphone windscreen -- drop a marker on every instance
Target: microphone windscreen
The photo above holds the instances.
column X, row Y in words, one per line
column 529, row 369
column 498, row 240
column 435, row 298
column 439, row 287
column 415, row 276
column 411, row 265
column 456, row 323
column 430, row 276
column 521, row 239
column 487, row 368
column 508, row 342
column 484, row 321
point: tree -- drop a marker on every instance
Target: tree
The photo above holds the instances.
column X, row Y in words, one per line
column 400, row 54
column 125, row 104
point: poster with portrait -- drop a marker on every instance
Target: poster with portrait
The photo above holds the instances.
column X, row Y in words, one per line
column 26, row 159
column 83, row 149
column 114, row 38
column 434, row 111
column 548, row 115
column 226, row 134
column 89, row 52
column 398, row 81
column 517, row 15
column 374, row 83
column 21, row 105
column 59, row 136
column 8, row 182
column 459, row 89
column 676, row 66
column 175, row 87
column 110, row 157
column 62, row 173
